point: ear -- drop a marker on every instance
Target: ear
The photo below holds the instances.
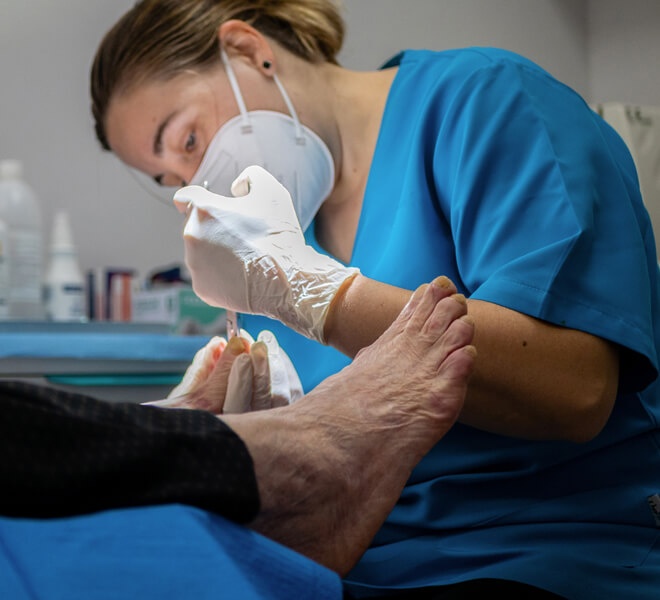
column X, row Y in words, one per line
column 242, row 40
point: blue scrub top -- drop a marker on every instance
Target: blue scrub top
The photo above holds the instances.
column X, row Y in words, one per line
column 493, row 173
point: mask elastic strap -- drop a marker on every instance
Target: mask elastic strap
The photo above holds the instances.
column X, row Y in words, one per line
column 246, row 127
column 300, row 138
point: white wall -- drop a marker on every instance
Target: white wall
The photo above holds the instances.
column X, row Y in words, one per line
column 624, row 51
column 46, row 48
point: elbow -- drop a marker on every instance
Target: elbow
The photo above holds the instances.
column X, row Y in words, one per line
column 591, row 412
column 586, row 428
column 595, row 392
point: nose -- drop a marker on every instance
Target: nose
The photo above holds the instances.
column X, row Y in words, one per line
column 188, row 171
column 179, row 173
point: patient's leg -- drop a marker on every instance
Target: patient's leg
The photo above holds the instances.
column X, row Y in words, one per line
column 331, row 467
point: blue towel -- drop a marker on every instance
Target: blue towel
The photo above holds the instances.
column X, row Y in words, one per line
column 161, row 552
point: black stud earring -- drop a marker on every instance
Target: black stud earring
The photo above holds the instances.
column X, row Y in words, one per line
column 267, row 64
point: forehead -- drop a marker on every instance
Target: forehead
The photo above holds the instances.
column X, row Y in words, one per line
column 134, row 115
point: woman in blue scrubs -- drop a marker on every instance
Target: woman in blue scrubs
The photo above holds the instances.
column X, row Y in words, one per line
column 478, row 165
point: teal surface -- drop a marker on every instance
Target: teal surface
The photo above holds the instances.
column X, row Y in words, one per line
column 90, row 346
column 147, row 379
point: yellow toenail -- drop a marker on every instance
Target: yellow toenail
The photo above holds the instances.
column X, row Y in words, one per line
column 442, row 281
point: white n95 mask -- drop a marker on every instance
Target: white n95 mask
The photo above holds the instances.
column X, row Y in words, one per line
column 279, row 143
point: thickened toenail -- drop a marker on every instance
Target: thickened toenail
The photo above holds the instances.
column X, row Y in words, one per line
column 460, row 298
column 442, row 281
column 235, row 345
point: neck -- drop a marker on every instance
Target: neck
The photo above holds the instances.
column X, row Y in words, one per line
column 345, row 108
column 358, row 102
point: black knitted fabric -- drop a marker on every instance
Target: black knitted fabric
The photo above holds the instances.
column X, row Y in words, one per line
column 63, row 454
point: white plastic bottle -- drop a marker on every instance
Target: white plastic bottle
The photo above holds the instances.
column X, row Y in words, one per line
column 64, row 284
column 19, row 209
column 4, row 271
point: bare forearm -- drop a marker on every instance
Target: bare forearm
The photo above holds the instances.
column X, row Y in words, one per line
column 360, row 313
column 532, row 380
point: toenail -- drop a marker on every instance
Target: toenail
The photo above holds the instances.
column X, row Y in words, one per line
column 460, row 298
column 442, row 281
column 235, row 346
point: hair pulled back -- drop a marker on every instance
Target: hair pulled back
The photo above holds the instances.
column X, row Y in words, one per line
column 161, row 38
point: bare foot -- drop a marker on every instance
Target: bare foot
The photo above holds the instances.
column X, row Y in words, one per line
column 331, row 467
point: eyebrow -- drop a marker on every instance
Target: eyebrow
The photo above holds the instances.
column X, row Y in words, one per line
column 158, row 143
column 158, row 138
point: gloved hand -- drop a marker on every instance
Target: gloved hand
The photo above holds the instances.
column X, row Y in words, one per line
column 267, row 380
column 226, row 378
column 248, row 254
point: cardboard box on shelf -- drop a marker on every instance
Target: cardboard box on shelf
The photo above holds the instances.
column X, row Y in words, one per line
column 181, row 309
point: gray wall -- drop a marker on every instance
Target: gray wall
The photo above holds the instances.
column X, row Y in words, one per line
column 624, row 51
column 46, row 48
column 551, row 32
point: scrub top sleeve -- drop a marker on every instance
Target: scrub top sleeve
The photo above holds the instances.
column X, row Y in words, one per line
column 541, row 207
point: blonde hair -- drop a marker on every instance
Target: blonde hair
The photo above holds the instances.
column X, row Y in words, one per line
column 161, row 38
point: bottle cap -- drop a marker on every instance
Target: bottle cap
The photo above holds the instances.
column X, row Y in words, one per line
column 11, row 169
column 62, row 239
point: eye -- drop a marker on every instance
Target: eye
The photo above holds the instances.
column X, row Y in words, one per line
column 190, row 142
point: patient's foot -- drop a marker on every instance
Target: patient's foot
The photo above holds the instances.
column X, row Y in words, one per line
column 331, row 467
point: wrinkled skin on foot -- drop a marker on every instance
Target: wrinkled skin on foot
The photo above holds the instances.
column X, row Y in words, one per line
column 331, row 467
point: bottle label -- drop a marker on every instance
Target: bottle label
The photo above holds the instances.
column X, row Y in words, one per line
column 25, row 275
column 65, row 302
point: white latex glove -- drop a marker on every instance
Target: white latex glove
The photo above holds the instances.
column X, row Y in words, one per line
column 248, row 254
column 267, row 380
column 264, row 378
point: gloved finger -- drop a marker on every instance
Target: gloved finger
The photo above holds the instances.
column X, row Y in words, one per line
column 253, row 177
column 170, row 402
column 200, row 367
column 245, row 335
column 279, row 379
column 200, row 205
column 241, row 185
column 186, row 196
column 296, row 391
column 261, row 389
column 239, row 387
column 266, row 192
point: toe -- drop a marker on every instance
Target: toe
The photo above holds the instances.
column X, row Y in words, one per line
column 445, row 311
column 437, row 290
column 458, row 334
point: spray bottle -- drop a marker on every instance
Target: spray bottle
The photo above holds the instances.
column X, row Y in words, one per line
column 65, row 294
